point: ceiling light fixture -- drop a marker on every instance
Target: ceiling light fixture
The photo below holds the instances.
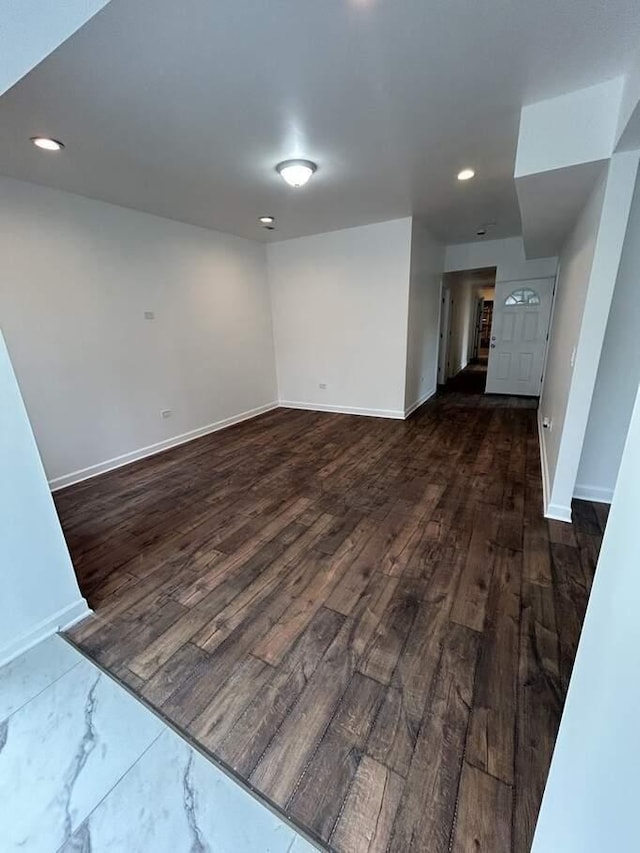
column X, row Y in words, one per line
column 466, row 175
column 296, row 173
column 267, row 220
column 47, row 143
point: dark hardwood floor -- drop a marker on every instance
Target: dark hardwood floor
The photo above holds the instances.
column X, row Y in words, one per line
column 471, row 380
column 368, row 621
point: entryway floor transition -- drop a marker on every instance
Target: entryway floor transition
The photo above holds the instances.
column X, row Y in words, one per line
column 369, row 622
column 85, row 766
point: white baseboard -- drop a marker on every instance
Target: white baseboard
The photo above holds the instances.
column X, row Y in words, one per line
column 554, row 511
column 593, row 493
column 126, row 458
column 396, row 414
column 558, row 513
column 543, row 463
column 430, row 393
column 59, row 621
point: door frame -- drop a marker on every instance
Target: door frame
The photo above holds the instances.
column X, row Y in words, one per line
column 551, row 313
column 444, row 338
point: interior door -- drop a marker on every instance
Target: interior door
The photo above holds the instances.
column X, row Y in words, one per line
column 521, row 313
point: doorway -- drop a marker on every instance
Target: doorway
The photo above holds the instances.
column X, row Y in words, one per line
column 465, row 329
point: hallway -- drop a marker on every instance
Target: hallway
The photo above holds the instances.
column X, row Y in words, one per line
column 471, row 380
column 367, row 621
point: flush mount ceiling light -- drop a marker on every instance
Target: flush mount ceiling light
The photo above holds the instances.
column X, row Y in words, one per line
column 296, row 172
column 267, row 220
column 47, row 143
column 466, row 175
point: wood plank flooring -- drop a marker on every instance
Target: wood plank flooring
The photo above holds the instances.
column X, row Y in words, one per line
column 368, row 621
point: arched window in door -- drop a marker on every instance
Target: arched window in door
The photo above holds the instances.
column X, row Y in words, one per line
column 523, row 296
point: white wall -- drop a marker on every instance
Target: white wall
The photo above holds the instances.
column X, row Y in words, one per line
column 571, row 293
column 618, row 375
column 463, row 293
column 423, row 327
column 590, row 803
column 340, row 306
column 506, row 255
column 588, row 269
column 577, row 127
column 39, row 589
column 31, row 29
column 78, row 276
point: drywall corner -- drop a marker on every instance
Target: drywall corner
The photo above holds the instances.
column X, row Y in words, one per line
column 568, row 391
column 420, row 401
column 550, row 510
column 62, row 620
column 40, row 592
column 618, row 375
column 423, row 308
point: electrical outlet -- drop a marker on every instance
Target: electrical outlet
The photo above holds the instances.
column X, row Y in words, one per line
column 166, row 413
column 322, row 386
column 149, row 315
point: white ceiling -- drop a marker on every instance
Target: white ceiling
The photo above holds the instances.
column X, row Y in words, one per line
column 183, row 108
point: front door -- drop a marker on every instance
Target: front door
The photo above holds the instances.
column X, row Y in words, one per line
column 521, row 313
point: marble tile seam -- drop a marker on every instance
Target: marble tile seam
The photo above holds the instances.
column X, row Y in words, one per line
column 87, row 817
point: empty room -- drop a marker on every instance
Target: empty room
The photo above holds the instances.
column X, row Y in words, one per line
column 319, row 426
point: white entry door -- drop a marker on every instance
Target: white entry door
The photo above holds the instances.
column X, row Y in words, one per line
column 521, row 312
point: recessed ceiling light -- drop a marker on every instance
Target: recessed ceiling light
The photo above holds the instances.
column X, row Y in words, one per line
column 296, row 172
column 466, row 175
column 267, row 220
column 47, row 143
column 481, row 232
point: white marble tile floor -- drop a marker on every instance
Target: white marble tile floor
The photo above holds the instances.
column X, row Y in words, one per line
column 85, row 766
